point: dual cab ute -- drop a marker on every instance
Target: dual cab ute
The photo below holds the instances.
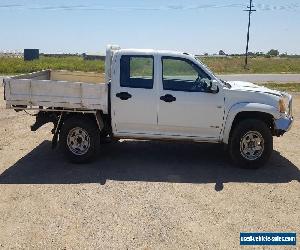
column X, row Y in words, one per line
column 153, row 95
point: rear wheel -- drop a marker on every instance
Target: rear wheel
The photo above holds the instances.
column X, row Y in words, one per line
column 79, row 139
column 251, row 144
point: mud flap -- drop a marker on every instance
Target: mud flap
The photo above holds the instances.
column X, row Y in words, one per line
column 99, row 120
column 57, row 128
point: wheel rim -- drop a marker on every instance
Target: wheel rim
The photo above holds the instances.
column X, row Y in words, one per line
column 78, row 141
column 252, row 145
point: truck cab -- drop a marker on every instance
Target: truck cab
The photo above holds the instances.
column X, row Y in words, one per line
column 165, row 95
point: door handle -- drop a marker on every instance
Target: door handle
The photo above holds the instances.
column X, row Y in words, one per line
column 123, row 95
column 168, row 98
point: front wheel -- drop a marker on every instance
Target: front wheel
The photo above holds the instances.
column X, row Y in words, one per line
column 79, row 139
column 251, row 144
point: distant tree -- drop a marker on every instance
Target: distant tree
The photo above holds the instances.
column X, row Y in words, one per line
column 222, row 53
column 206, row 54
column 283, row 54
column 259, row 53
column 273, row 52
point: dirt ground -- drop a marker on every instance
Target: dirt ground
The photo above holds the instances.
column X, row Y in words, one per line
column 145, row 195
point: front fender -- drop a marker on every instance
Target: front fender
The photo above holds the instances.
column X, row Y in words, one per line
column 245, row 107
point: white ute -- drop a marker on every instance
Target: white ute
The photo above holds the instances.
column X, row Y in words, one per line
column 150, row 94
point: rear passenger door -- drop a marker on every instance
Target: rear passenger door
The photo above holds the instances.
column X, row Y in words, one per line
column 133, row 98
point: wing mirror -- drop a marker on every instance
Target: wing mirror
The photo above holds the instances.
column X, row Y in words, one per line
column 214, row 88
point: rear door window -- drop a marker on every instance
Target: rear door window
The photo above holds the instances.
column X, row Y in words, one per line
column 137, row 71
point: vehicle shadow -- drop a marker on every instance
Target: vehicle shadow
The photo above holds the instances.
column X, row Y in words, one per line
column 147, row 161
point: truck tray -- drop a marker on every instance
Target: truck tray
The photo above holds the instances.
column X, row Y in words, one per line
column 57, row 89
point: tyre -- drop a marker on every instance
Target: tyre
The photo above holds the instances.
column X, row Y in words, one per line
column 251, row 144
column 79, row 139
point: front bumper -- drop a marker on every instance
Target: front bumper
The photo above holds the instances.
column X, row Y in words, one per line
column 283, row 125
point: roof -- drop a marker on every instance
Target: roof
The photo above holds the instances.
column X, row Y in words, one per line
column 151, row 51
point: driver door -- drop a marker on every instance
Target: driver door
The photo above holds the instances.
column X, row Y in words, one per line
column 187, row 107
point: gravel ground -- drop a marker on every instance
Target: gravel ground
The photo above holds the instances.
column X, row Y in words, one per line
column 145, row 195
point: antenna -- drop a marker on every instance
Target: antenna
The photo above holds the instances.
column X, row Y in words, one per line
column 249, row 10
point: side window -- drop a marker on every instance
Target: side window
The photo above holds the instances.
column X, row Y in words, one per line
column 180, row 74
column 137, row 72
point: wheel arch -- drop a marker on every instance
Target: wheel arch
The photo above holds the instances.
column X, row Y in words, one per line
column 96, row 118
column 241, row 111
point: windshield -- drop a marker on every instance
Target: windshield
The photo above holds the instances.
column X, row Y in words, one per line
column 209, row 70
column 206, row 67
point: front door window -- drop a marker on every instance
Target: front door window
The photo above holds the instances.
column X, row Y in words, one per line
column 180, row 74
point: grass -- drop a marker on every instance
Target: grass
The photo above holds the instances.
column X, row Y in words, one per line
column 258, row 65
column 10, row 66
column 220, row 65
column 74, row 63
column 287, row 87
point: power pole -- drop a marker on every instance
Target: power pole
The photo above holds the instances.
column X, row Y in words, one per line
column 249, row 10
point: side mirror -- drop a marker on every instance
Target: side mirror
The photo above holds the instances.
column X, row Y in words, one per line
column 214, row 88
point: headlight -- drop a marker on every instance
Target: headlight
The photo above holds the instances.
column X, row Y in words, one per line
column 283, row 104
column 282, row 107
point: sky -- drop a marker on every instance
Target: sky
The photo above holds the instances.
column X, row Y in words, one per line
column 206, row 26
